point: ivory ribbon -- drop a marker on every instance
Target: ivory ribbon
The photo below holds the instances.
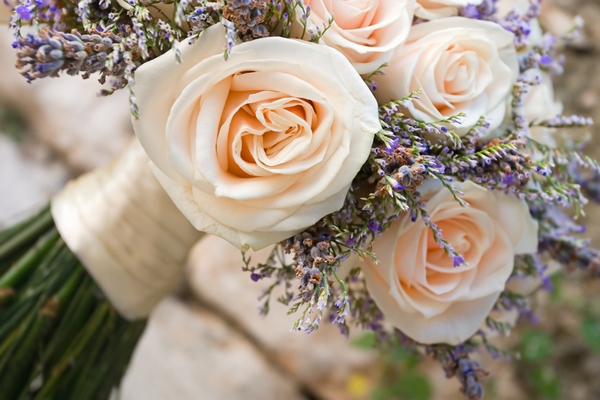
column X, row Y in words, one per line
column 126, row 231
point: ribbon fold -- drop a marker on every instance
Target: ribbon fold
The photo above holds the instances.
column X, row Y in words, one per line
column 126, row 232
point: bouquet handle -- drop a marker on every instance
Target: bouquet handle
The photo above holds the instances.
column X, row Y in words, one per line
column 126, row 232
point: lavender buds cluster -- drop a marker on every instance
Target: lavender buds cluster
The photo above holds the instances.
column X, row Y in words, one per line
column 470, row 375
column 559, row 238
column 310, row 255
column 51, row 51
column 248, row 17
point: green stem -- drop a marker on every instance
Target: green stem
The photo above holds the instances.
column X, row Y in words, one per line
column 76, row 314
column 29, row 261
column 22, row 333
column 88, row 376
column 73, row 351
column 21, row 362
column 31, row 232
column 114, row 361
column 55, row 323
column 9, row 232
column 50, row 312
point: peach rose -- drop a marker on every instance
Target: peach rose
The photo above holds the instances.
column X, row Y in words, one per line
column 505, row 7
column 460, row 64
column 433, row 9
column 520, row 7
column 415, row 283
column 539, row 105
column 366, row 32
column 261, row 145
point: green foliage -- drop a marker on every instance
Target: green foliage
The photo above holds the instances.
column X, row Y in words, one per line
column 590, row 330
column 411, row 385
column 12, row 123
column 400, row 377
column 545, row 383
column 366, row 341
column 557, row 293
column 536, row 349
column 536, row 346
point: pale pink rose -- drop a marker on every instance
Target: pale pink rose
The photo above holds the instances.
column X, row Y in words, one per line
column 524, row 286
column 433, row 9
column 261, row 145
column 365, row 31
column 527, row 285
column 520, row 7
column 504, row 7
column 540, row 105
column 460, row 64
column 415, row 283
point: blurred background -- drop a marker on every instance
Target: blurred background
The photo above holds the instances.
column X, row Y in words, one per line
column 208, row 341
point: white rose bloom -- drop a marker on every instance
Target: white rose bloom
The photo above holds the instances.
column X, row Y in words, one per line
column 527, row 285
column 366, row 32
column 433, row 9
column 536, row 34
column 260, row 146
column 539, row 105
column 504, row 7
column 460, row 64
column 415, row 283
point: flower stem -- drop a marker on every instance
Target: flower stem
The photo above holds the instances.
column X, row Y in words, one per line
column 60, row 338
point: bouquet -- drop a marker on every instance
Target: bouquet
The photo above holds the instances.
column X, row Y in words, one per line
column 406, row 160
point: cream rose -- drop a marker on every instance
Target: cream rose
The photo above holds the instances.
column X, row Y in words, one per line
column 366, row 32
column 415, row 283
column 520, row 7
column 505, row 7
column 460, row 64
column 539, row 105
column 433, row 9
column 261, row 145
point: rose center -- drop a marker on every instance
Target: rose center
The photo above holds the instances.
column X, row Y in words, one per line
column 460, row 234
column 353, row 14
column 272, row 135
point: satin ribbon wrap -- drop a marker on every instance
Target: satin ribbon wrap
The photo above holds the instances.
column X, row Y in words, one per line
column 126, row 231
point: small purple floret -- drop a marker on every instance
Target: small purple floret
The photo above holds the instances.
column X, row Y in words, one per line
column 374, row 226
column 458, row 260
column 255, row 277
column 24, row 13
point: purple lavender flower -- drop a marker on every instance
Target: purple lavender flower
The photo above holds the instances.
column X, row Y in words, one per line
column 24, row 12
column 255, row 277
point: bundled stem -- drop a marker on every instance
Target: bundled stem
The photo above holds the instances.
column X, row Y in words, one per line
column 60, row 338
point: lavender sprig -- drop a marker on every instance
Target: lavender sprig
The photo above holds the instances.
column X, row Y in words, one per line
column 51, row 52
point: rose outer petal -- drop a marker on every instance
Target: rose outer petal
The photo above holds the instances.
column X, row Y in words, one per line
column 190, row 140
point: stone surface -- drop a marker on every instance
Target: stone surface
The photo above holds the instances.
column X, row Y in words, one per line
column 4, row 13
column 66, row 114
column 323, row 360
column 28, row 178
column 189, row 353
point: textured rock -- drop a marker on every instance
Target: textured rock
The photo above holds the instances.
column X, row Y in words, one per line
column 4, row 13
column 188, row 353
column 67, row 114
column 322, row 361
column 28, row 178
